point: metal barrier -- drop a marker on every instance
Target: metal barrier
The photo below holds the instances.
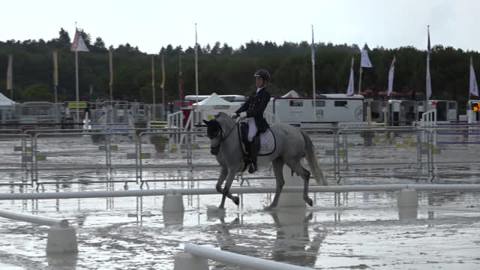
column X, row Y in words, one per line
column 39, row 157
column 236, row 190
column 16, row 149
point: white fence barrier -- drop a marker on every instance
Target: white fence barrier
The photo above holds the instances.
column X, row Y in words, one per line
column 239, row 190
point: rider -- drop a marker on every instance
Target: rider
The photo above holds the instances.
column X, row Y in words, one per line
column 253, row 110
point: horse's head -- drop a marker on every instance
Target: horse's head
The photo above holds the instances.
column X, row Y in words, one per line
column 214, row 133
column 215, row 130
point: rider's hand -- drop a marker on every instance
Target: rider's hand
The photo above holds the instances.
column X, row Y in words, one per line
column 235, row 115
column 243, row 115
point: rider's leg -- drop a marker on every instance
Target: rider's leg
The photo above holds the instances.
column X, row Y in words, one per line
column 252, row 129
column 252, row 132
column 254, row 148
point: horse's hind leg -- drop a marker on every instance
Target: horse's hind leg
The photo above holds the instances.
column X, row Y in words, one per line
column 296, row 166
column 280, row 181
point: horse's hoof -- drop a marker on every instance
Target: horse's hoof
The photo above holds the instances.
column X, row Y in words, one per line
column 236, row 200
column 309, row 201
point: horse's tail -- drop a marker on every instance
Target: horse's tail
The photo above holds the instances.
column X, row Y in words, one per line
column 312, row 160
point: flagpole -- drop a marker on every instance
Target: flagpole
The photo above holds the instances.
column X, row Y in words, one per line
column 196, row 63
column 10, row 75
column 313, row 77
column 110, row 65
column 427, row 79
column 153, row 87
column 162, row 85
column 55, row 75
column 427, row 76
column 77, row 95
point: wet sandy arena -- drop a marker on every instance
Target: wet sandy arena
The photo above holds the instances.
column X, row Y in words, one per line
column 363, row 232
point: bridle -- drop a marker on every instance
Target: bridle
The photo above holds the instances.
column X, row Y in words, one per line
column 214, row 149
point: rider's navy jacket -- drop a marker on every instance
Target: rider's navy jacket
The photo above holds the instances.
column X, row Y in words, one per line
column 255, row 106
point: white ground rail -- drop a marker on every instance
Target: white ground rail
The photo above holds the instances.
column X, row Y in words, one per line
column 62, row 238
column 185, row 262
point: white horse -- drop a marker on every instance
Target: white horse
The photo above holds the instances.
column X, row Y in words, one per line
column 292, row 145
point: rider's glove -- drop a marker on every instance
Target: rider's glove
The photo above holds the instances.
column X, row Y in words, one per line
column 243, row 115
column 235, row 115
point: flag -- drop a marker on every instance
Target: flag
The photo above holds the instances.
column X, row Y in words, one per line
column 78, row 44
column 110, row 66
column 55, row 68
column 153, row 73
column 365, row 60
column 180, row 77
column 429, row 48
column 473, row 81
column 428, row 87
column 162, row 85
column 350, row 89
column 391, row 74
column 10, row 73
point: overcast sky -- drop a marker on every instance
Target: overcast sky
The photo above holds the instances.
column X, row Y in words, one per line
column 151, row 24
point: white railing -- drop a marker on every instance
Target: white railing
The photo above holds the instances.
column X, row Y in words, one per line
column 194, row 118
column 231, row 258
column 175, row 120
column 429, row 118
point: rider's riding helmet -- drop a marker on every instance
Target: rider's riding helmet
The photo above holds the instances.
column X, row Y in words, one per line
column 262, row 73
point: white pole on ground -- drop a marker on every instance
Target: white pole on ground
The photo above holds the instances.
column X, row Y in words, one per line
column 34, row 219
column 238, row 259
column 61, row 237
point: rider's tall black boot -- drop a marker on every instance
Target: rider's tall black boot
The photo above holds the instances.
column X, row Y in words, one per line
column 246, row 158
column 254, row 148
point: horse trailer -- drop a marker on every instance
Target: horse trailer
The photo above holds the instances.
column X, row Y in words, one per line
column 328, row 108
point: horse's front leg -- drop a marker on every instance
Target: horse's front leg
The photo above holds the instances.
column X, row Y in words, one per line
column 221, row 178
column 226, row 190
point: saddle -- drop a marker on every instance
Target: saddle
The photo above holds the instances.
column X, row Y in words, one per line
column 267, row 141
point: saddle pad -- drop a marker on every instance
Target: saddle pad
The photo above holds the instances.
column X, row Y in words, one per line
column 267, row 143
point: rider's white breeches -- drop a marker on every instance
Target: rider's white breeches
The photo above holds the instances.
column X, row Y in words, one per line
column 252, row 129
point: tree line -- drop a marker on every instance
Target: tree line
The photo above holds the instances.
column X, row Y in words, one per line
column 226, row 70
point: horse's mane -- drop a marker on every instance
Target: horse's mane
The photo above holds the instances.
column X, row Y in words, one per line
column 224, row 120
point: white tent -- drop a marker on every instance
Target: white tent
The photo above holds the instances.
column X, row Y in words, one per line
column 5, row 101
column 291, row 94
column 214, row 104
